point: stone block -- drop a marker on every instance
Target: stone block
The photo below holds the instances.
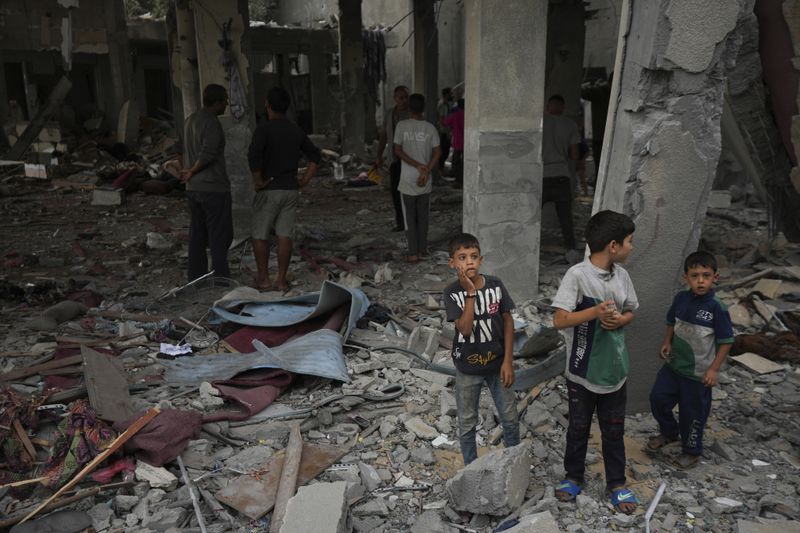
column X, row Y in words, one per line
column 536, row 523
column 420, row 428
column 101, row 516
column 431, row 522
column 719, row 199
column 433, row 377
column 35, row 170
column 157, row 477
column 170, row 517
column 369, row 476
column 448, row 404
column 50, row 134
column 321, row 507
column 494, row 484
column 423, row 340
column 102, row 196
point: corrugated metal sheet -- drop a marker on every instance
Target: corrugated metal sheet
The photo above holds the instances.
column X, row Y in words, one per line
column 318, row 353
column 251, row 311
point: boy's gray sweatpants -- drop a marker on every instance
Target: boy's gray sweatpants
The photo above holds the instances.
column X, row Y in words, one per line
column 416, row 211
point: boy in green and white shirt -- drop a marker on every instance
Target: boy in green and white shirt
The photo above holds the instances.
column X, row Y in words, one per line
column 595, row 300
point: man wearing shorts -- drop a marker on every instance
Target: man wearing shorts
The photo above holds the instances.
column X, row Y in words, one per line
column 274, row 156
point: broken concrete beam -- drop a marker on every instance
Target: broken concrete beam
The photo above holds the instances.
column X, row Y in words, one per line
column 494, row 484
column 128, row 123
column 321, row 508
column 32, row 130
column 288, row 482
column 102, row 196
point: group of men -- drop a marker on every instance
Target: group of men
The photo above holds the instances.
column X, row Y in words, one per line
column 418, row 149
column 273, row 157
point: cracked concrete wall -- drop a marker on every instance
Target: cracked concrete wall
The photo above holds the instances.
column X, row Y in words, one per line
column 665, row 145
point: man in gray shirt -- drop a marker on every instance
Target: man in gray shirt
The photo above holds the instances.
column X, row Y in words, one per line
column 208, row 188
column 560, row 140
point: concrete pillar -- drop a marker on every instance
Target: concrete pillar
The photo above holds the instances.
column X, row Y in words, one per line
column 173, row 54
column 425, row 78
column 351, row 76
column 566, row 31
column 320, row 97
column 661, row 158
column 119, row 56
column 238, row 133
column 185, row 64
column 505, row 59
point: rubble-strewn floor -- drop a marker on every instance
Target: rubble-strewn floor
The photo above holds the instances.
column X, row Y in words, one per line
column 123, row 259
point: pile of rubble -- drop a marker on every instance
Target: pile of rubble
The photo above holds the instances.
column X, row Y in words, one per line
column 373, row 448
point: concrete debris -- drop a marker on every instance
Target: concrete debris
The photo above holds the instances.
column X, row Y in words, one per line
column 536, row 523
column 321, row 507
column 493, row 484
column 156, row 477
column 99, row 281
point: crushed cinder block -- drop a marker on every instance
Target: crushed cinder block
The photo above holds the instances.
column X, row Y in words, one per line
column 321, row 507
column 494, row 484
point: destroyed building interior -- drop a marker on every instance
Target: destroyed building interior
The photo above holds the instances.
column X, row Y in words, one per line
column 136, row 398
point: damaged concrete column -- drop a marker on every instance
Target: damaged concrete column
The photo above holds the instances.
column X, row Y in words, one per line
column 425, row 79
column 119, row 56
column 351, row 76
column 186, row 58
column 505, row 60
column 662, row 156
column 212, row 29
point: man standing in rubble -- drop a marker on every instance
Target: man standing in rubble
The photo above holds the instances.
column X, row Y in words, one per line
column 393, row 116
column 207, row 186
column 274, row 156
column 560, row 138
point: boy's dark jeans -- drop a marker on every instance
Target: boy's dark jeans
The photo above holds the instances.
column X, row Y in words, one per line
column 611, row 415
column 694, row 404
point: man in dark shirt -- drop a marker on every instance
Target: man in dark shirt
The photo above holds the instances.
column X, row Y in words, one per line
column 207, row 186
column 274, row 155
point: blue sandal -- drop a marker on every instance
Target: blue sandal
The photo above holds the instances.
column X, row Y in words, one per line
column 623, row 495
column 568, row 487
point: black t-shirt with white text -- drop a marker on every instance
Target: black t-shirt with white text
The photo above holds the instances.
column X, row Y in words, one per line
column 482, row 353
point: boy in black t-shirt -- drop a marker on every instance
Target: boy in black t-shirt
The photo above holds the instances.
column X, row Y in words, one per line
column 480, row 307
